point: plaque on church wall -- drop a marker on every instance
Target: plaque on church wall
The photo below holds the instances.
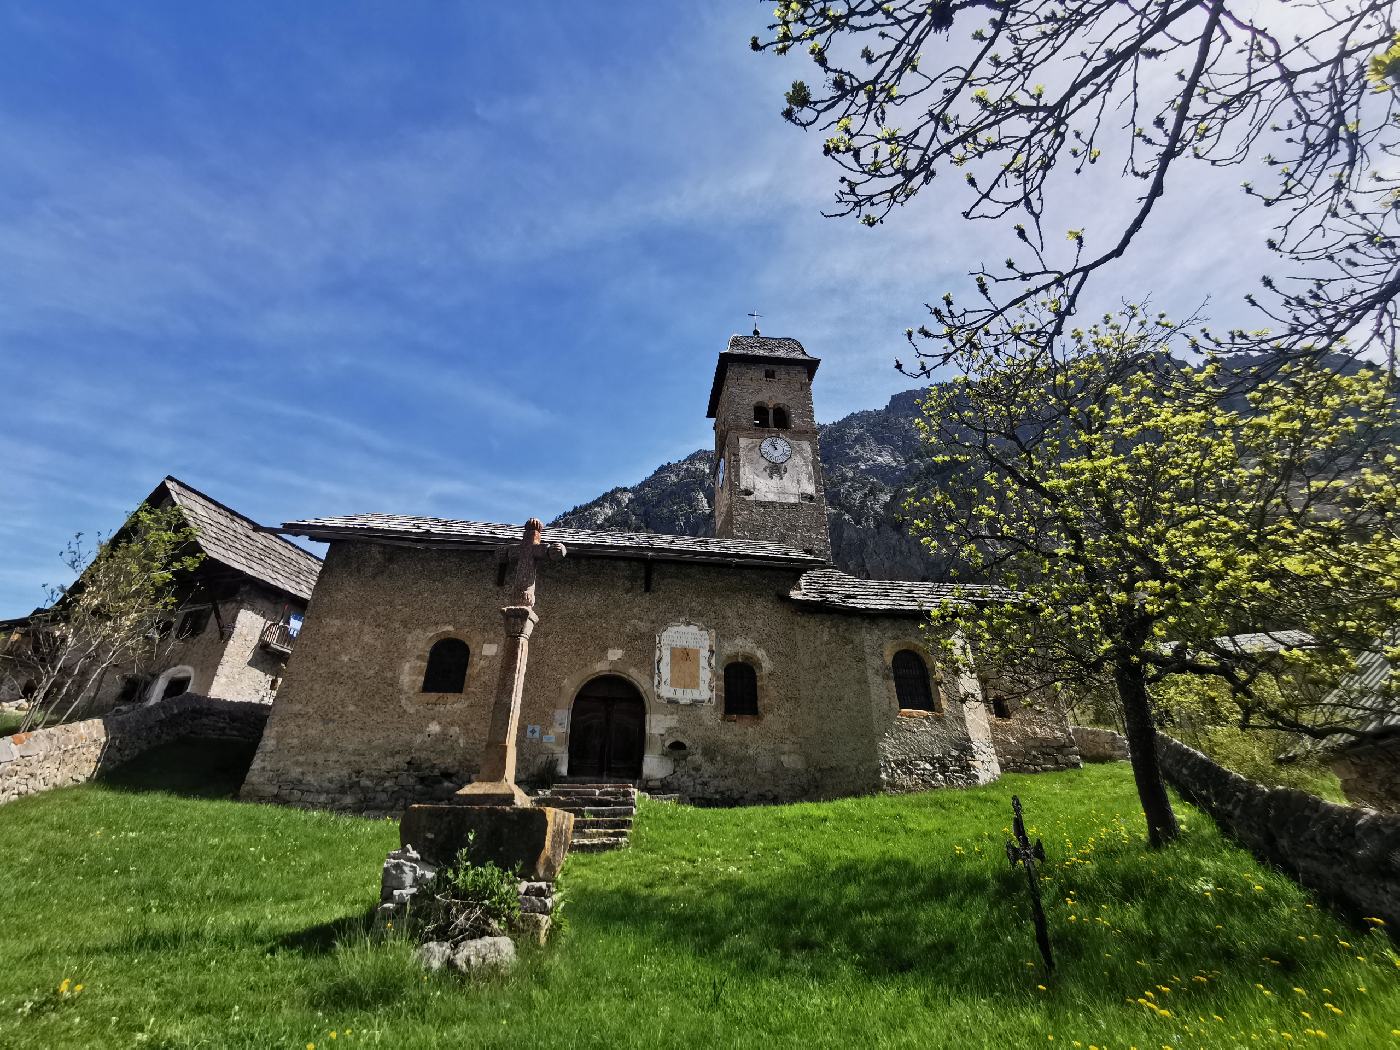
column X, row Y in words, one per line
column 776, row 469
column 685, row 662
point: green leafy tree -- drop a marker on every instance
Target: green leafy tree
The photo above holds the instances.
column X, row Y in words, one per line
column 1020, row 101
column 1138, row 511
column 116, row 613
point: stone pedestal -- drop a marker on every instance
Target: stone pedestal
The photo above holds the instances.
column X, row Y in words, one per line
column 532, row 841
column 494, row 784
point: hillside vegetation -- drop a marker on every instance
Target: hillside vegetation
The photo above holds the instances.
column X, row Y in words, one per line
column 884, row 921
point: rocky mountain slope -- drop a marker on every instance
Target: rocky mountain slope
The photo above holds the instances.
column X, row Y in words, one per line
column 869, row 460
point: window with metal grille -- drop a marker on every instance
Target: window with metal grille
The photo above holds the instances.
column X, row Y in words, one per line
column 447, row 666
column 911, row 683
column 740, row 689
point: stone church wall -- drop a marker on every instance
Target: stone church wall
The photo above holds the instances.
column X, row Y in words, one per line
column 351, row 730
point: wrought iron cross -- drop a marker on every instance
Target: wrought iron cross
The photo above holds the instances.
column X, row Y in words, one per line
column 755, row 315
column 1022, row 852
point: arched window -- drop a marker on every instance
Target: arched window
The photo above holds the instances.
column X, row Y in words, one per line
column 760, row 415
column 740, row 689
column 780, row 417
column 447, row 666
column 911, row 681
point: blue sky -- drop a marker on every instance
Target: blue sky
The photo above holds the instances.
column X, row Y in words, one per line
column 468, row 260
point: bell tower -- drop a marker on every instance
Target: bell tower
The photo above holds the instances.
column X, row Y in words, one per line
column 768, row 475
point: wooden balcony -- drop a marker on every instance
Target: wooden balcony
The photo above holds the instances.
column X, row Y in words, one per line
column 277, row 638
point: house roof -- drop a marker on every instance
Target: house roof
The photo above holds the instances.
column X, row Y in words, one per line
column 1265, row 641
column 445, row 532
column 238, row 542
column 833, row 589
column 758, row 348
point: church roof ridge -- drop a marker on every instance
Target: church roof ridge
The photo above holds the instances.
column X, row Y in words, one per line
column 450, row 532
column 834, row 589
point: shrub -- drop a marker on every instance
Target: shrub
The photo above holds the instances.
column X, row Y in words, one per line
column 466, row 900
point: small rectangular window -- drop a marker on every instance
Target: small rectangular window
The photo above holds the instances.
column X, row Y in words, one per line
column 192, row 624
column 770, row 373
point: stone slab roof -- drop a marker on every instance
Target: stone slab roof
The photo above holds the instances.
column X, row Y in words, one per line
column 445, row 532
column 758, row 348
column 833, row 589
column 238, row 542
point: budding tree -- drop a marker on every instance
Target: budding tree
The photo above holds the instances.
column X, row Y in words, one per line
column 1020, row 100
column 1140, row 510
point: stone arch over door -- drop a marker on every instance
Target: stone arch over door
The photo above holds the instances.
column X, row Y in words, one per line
column 607, row 729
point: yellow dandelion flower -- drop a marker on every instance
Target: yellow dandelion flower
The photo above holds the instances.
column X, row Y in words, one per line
column 1373, row 920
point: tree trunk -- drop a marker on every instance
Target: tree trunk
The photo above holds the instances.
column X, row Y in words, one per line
column 1142, row 749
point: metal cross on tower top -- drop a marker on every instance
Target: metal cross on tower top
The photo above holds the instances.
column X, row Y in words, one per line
column 755, row 315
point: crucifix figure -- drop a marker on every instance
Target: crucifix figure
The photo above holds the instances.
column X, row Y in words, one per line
column 525, row 554
column 495, row 784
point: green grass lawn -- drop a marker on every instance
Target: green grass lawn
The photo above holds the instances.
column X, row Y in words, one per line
column 891, row 921
column 10, row 721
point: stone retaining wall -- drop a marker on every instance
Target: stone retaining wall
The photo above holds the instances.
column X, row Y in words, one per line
column 1347, row 854
column 78, row 751
column 1100, row 745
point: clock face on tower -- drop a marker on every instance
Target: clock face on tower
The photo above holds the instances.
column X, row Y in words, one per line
column 775, row 450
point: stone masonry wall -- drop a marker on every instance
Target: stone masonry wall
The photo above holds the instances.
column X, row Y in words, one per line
column 1100, row 745
column 1035, row 738
column 78, row 751
column 1348, row 855
column 1370, row 775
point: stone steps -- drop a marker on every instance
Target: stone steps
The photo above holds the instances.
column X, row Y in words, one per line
column 598, row 845
column 603, row 813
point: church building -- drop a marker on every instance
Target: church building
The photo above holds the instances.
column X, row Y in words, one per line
column 738, row 668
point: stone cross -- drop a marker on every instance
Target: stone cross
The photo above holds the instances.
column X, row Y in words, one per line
column 525, row 554
column 495, row 784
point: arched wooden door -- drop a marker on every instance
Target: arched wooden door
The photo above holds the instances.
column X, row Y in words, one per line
column 607, row 730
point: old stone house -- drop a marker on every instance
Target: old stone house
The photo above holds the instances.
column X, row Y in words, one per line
column 742, row 667
column 236, row 622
